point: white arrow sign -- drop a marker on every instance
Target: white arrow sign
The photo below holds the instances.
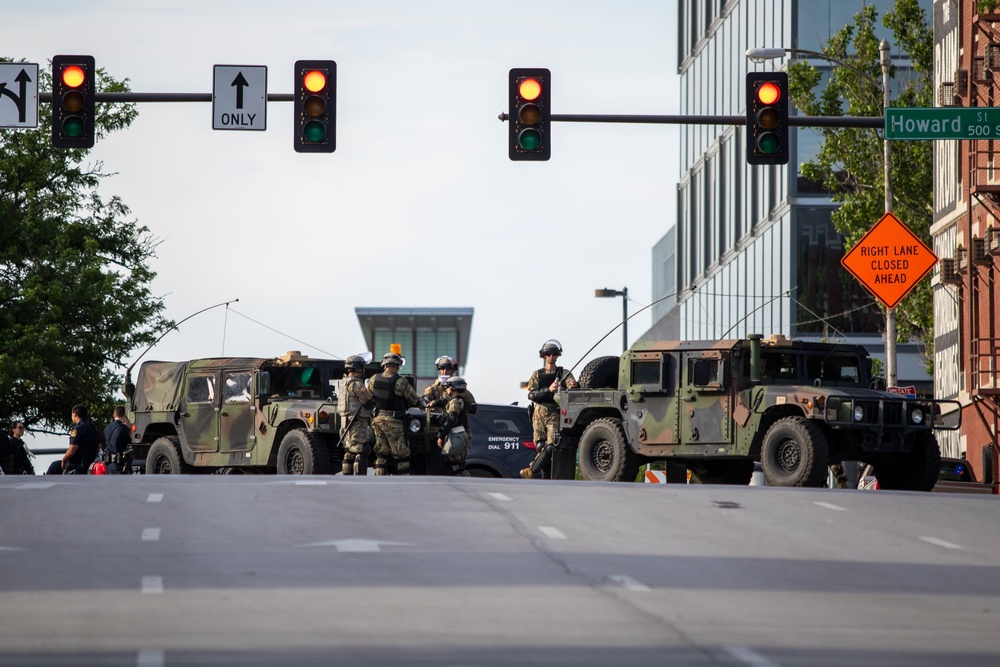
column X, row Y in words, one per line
column 239, row 97
column 356, row 545
column 18, row 95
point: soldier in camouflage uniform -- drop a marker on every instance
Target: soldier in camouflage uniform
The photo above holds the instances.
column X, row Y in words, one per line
column 545, row 412
column 454, row 435
column 436, row 395
column 355, row 405
column 392, row 395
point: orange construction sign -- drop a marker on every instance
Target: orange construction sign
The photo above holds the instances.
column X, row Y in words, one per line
column 889, row 260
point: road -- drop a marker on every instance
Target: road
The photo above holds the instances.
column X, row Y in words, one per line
column 196, row 570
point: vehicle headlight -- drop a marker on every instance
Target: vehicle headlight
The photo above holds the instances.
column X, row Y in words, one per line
column 414, row 425
column 917, row 416
column 859, row 413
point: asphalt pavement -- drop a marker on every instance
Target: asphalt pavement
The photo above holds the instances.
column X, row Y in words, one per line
column 264, row 570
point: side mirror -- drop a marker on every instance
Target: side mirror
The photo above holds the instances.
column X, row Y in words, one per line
column 879, row 384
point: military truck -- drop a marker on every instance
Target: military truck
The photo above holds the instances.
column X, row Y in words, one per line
column 237, row 415
column 717, row 407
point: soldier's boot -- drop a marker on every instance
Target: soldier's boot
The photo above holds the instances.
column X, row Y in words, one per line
column 360, row 465
column 347, row 465
column 456, row 468
column 380, row 464
column 403, row 466
column 541, row 462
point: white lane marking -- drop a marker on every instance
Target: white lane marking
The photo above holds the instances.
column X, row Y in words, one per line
column 356, row 545
column 310, row 482
column 551, row 533
column 749, row 657
column 150, row 534
column 941, row 543
column 628, row 582
column 152, row 584
column 499, row 496
column 831, row 506
column 148, row 658
column 11, row 549
column 154, row 498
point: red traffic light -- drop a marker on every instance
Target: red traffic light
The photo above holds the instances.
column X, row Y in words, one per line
column 529, row 89
column 768, row 93
column 73, row 76
column 314, row 80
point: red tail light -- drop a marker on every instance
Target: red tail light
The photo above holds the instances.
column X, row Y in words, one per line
column 529, row 444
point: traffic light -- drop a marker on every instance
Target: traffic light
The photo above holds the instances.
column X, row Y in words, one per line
column 73, row 101
column 530, row 114
column 767, row 118
column 315, row 106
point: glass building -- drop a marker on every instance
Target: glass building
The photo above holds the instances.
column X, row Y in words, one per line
column 754, row 249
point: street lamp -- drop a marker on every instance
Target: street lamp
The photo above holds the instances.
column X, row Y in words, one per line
column 761, row 55
column 623, row 293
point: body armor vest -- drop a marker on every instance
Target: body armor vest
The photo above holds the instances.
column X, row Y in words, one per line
column 385, row 394
column 545, row 380
column 348, row 403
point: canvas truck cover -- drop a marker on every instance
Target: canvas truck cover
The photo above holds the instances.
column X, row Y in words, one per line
column 160, row 386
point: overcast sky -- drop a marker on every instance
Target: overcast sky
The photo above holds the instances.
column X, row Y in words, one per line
column 419, row 206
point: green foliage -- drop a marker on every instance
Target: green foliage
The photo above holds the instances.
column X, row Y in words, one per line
column 74, row 274
column 850, row 162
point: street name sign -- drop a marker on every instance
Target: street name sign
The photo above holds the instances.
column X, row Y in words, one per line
column 239, row 97
column 18, row 95
column 909, row 123
column 889, row 260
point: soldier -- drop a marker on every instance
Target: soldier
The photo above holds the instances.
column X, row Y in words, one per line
column 392, row 394
column 355, row 405
column 435, row 394
column 545, row 412
column 454, row 436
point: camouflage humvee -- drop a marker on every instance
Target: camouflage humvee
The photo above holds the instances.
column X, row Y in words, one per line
column 237, row 415
column 716, row 407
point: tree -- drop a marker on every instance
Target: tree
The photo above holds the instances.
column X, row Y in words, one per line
column 850, row 163
column 74, row 274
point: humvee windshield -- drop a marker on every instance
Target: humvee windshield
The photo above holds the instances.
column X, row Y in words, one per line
column 302, row 381
column 801, row 367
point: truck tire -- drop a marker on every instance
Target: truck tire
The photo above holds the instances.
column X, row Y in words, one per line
column 916, row 471
column 164, row 457
column 601, row 373
column 735, row 473
column 302, row 453
column 605, row 455
column 794, row 453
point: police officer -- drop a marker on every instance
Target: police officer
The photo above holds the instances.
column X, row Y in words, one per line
column 117, row 443
column 454, row 437
column 84, row 443
column 435, row 394
column 542, row 387
column 355, row 405
column 392, row 395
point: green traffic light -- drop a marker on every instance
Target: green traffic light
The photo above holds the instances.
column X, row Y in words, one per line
column 529, row 139
column 768, row 143
column 314, row 131
column 72, row 127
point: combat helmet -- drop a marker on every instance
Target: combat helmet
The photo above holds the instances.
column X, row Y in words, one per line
column 354, row 362
column 456, row 382
column 549, row 347
column 391, row 358
column 446, row 362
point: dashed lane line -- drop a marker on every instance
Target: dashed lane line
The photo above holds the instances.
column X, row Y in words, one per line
column 150, row 534
column 941, row 543
column 154, row 498
column 551, row 533
column 149, row 658
column 628, row 582
column 749, row 657
column 499, row 496
column 152, row 584
column 831, row 506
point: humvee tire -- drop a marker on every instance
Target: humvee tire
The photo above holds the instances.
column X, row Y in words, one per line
column 794, row 453
column 302, row 453
column 164, row 457
column 601, row 373
column 605, row 454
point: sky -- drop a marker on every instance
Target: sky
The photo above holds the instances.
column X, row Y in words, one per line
column 419, row 206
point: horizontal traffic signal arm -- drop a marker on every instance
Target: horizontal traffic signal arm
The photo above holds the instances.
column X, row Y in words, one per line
column 130, row 98
column 877, row 122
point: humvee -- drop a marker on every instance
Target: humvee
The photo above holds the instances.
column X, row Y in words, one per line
column 237, row 415
column 717, row 407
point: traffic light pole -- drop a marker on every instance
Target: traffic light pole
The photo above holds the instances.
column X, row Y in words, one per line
column 873, row 122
